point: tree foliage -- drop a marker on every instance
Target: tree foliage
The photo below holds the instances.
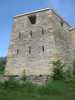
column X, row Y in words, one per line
column 58, row 70
column 2, row 64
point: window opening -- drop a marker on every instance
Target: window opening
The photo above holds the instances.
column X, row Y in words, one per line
column 17, row 51
column 19, row 35
column 42, row 31
column 32, row 19
column 61, row 23
column 43, row 48
column 29, row 50
column 31, row 33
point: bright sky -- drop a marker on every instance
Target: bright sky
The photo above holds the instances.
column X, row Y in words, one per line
column 9, row 8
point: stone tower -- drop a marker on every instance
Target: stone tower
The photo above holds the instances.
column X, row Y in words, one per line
column 38, row 38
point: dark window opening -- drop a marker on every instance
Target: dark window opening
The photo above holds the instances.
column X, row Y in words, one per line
column 42, row 31
column 17, row 51
column 61, row 23
column 19, row 35
column 32, row 19
column 43, row 48
column 31, row 33
column 40, row 75
column 29, row 50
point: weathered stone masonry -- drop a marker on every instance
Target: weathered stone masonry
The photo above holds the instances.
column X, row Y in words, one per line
column 38, row 38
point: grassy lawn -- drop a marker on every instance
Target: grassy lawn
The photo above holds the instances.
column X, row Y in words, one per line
column 57, row 90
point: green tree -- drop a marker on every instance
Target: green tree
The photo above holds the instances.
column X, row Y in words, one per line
column 2, row 64
column 58, row 70
column 74, row 67
column 23, row 76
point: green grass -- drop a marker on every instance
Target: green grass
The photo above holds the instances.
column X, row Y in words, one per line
column 56, row 90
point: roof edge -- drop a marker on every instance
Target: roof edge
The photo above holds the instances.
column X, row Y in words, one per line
column 72, row 28
column 58, row 15
column 39, row 10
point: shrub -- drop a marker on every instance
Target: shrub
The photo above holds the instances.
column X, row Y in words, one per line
column 11, row 83
column 2, row 64
column 74, row 67
column 58, row 70
column 23, row 78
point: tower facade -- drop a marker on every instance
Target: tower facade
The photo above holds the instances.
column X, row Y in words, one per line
column 37, row 39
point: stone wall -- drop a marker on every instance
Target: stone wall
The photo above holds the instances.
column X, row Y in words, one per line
column 47, row 43
column 72, row 36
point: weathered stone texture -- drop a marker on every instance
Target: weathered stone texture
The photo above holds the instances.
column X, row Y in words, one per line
column 55, row 41
column 72, row 36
